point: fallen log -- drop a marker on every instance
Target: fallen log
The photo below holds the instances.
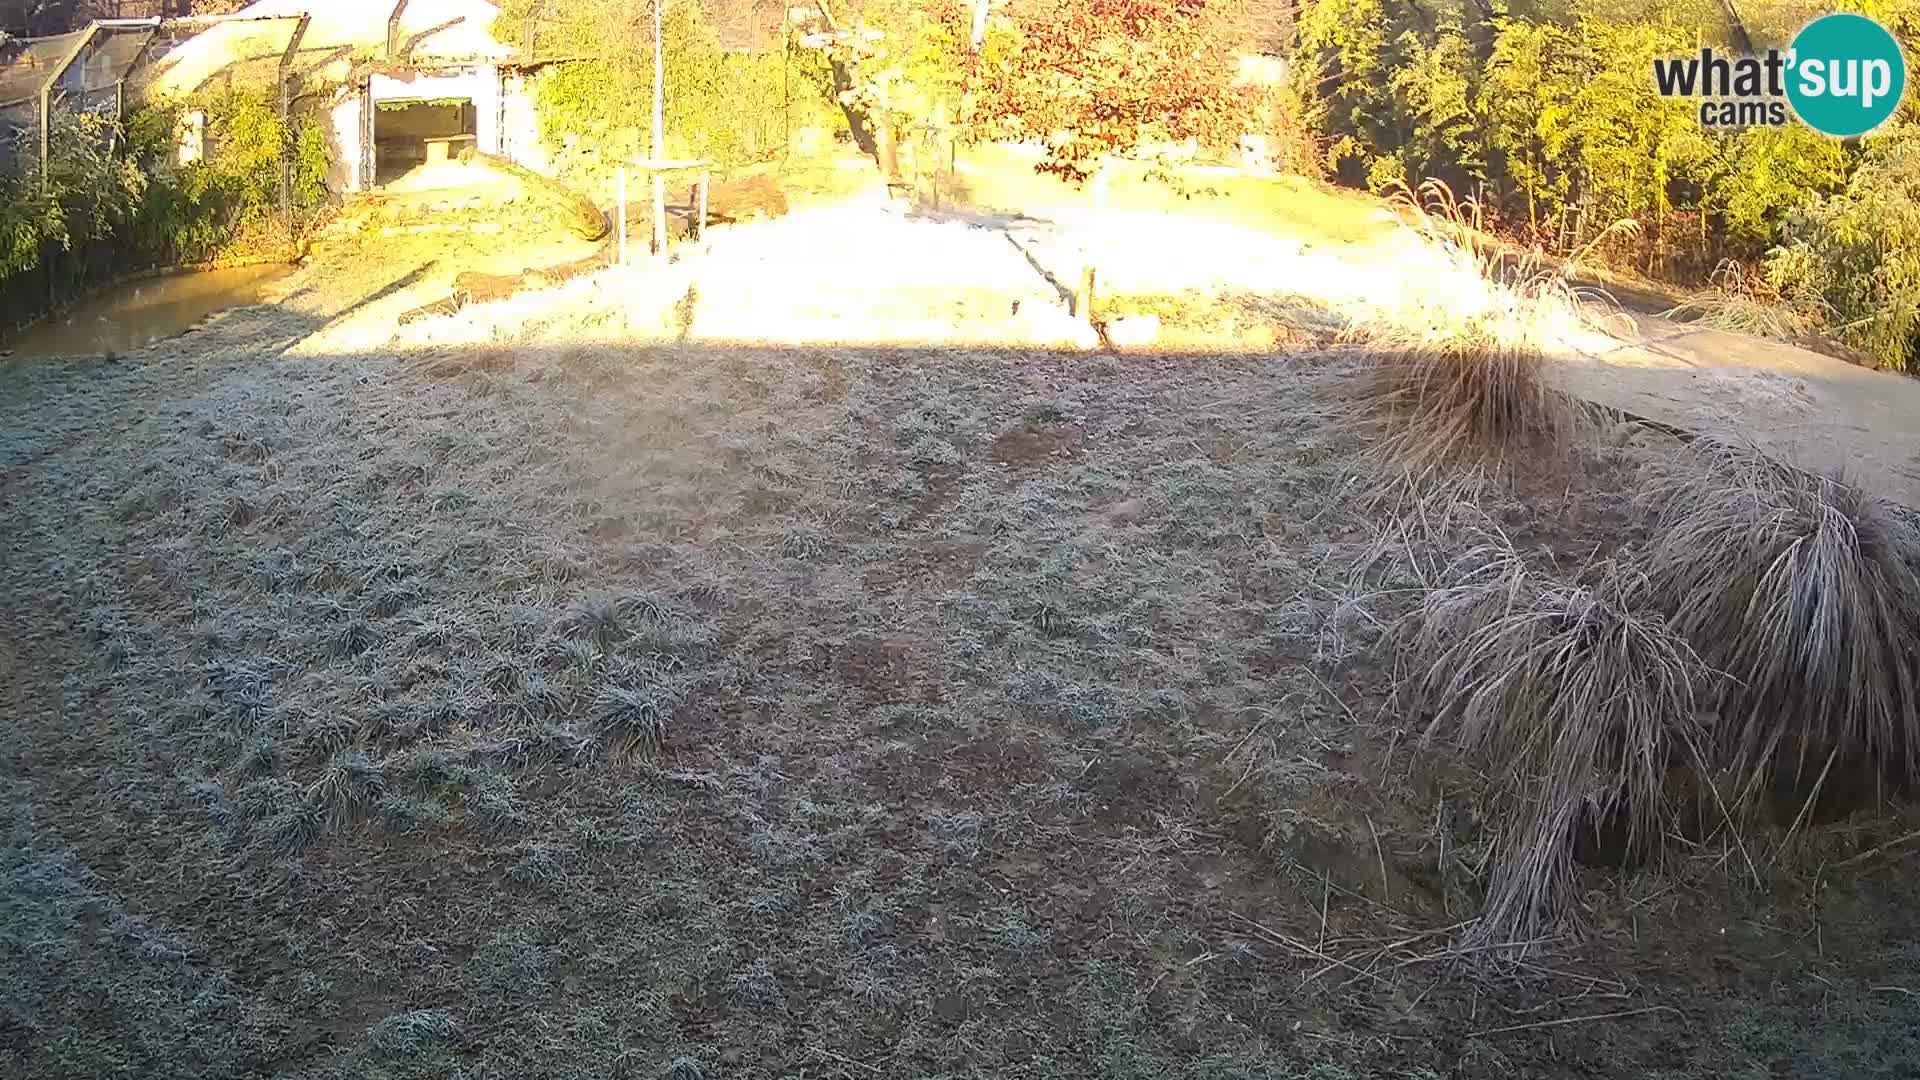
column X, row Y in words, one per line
column 743, row 198
column 584, row 219
column 474, row 287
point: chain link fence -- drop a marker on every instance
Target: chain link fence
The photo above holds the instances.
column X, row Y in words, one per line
column 68, row 104
column 60, row 88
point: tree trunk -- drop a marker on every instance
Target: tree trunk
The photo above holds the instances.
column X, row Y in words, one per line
column 845, row 78
column 886, row 152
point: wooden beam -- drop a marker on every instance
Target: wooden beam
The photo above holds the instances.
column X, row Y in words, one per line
column 393, row 28
column 658, row 149
column 342, row 52
column 215, row 20
column 412, row 43
column 120, row 86
column 700, row 225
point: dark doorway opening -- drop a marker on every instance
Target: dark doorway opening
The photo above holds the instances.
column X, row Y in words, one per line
column 409, row 134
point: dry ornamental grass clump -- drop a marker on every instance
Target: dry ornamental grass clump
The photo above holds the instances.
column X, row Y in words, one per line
column 1733, row 303
column 1585, row 697
column 1439, row 405
column 1457, row 375
column 1759, row 649
column 1806, row 591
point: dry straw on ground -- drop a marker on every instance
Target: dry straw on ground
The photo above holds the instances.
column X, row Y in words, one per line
column 1584, row 697
column 1459, row 376
column 1806, row 590
column 1731, row 302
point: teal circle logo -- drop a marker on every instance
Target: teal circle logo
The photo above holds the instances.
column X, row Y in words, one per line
column 1846, row 75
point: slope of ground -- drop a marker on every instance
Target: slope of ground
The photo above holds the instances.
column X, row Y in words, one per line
column 1214, row 250
column 1801, row 405
column 562, row 689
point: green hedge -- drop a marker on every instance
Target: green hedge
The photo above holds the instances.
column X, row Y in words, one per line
column 116, row 186
column 731, row 107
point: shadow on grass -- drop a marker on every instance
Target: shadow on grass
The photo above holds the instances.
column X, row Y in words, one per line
column 935, row 709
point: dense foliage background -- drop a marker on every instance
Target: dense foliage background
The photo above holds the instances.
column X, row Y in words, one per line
column 1546, row 111
column 734, row 106
column 114, row 197
column 1543, row 111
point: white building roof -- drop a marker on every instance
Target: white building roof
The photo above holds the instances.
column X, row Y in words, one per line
column 339, row 32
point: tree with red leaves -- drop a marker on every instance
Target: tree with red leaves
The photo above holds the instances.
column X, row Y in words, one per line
column 1095, row 79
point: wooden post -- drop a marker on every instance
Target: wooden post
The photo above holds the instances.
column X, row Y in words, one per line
column 285, row 77
column 933, row 146
column 659, row 138
column 393, row 29
column 702, row 219
column 659, row 213
column 369, row 150
column 623, row 215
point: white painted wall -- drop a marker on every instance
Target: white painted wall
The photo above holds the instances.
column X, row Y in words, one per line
column 486, row 124
column 520, row 128
column 343, row 140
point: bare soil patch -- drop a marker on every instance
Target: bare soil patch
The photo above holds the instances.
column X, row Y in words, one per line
column 1037, row 443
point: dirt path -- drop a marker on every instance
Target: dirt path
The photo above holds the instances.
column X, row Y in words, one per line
column 1808, row 408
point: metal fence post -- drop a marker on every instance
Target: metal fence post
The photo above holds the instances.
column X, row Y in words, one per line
column 286, row 125
column 46, row 102
column 120, row 84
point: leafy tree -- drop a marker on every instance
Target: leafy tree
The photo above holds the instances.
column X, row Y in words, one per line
column 1436, row 89
column 896, row 65
column 1628, row 143
column 127, row 191
column 734, row 107
column 1547, row 110
column 1855, row 257
column 1769, row 172
column 1528, row 96
column 1097, row 79
column 1344, row 65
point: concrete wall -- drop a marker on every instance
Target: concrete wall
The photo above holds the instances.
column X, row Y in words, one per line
column 343, row 140
column 520, row 137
